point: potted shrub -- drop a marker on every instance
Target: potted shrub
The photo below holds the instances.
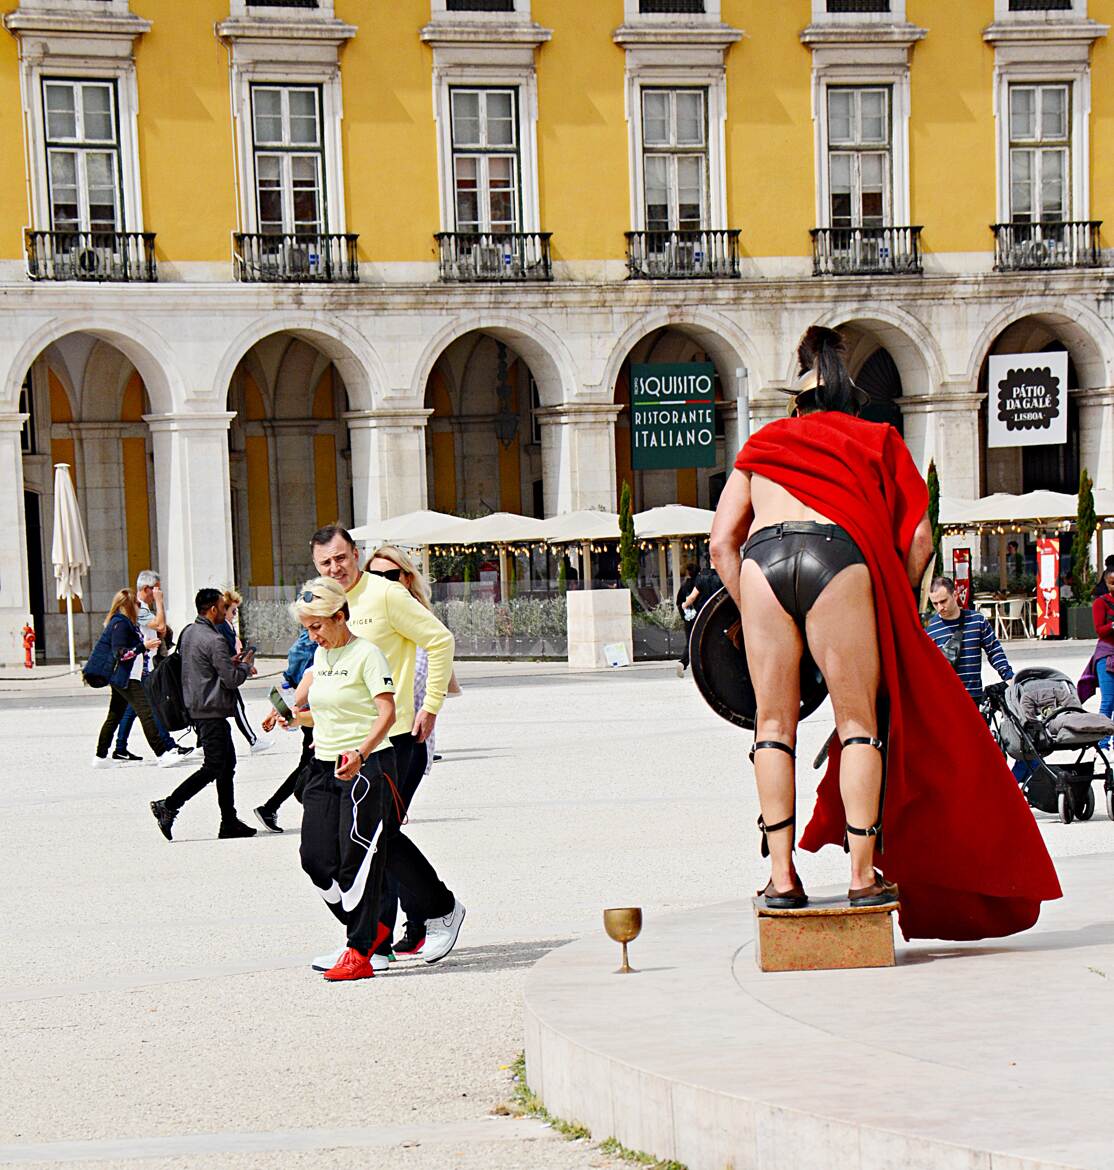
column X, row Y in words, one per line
column 1079, row 618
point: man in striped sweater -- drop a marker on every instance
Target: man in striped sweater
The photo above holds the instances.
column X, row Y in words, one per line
column 963, row 636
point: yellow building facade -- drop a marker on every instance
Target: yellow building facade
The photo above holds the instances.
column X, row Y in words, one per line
column 264, row 266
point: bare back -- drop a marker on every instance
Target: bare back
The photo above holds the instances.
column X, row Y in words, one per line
column 772, row 504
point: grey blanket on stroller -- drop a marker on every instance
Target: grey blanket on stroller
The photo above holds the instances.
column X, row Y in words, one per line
column 1055, row 704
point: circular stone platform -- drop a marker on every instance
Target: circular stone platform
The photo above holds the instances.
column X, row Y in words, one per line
column 966, row 1056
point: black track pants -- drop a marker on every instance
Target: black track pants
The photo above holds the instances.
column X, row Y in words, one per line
column 342, row 848
column 214, row 737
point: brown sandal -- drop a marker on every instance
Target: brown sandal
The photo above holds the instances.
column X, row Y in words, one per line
column 793, row 898
column 879, row 893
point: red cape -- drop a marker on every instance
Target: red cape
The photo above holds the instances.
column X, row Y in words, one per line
column 958, row 836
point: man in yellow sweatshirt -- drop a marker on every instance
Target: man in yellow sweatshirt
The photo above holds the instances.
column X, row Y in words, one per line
column 385, row 613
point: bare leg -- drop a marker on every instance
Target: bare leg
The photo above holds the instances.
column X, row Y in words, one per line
column 774, row 660
column 843, row 639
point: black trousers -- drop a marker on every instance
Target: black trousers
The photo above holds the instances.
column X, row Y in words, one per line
column 411, row 757
column 342, row 847
column 118, row 703
column 214, row 736
column 289, row 786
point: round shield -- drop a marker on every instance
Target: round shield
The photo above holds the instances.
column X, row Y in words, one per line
column 719, row 667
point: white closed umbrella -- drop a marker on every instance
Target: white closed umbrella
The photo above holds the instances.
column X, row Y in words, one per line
column 69, row 551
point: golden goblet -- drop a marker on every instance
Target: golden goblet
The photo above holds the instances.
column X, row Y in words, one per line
column 624, row 926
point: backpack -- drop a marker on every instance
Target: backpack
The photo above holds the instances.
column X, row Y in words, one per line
column 102, row 662
column 163, row 688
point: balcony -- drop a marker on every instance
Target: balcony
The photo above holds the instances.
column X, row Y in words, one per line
column 683, row 255
column 866, row 251
column 494, row 257
column 1020, row 247
column 647, row 7
column 95, row 256
column 858, row 5
column 301, row 258
column 480, row 5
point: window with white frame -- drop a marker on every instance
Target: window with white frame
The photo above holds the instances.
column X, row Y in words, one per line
column 289, row 159
column 1040, row 153
column 83, row 155
column 859, row 156
column 485, row 159
column 675, row 159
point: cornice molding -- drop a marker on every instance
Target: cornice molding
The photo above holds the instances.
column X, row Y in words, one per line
column 254, row 28
column 440, row 34
column 1044, row 32
column 716, row 36
column 29, row 22
column 902, row 35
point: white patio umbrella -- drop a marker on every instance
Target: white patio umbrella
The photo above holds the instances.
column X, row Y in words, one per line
column 583, row 527
column 69, row 552
column 413, row 529
column 671, row 522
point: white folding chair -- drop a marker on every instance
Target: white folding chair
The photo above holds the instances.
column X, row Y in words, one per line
column 1012, row 617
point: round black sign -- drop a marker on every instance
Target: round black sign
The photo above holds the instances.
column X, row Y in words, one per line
column 1029, row 399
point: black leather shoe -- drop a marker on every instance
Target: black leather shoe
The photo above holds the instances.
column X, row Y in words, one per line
column 268, row 820
column 165, row 815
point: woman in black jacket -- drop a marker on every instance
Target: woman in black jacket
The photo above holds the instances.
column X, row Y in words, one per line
column 129, row 652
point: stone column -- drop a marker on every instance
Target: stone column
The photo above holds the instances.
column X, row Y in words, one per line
column 1096, row 452
column 15, row 599
column 388, row 462
column 578, row 457
column 193, row 502
column 732, row 439
column 952, row 438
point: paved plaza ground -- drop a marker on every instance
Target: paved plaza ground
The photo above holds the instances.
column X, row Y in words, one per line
column 156, row 1004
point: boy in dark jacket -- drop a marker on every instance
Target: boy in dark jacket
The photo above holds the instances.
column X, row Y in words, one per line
column 210, row 680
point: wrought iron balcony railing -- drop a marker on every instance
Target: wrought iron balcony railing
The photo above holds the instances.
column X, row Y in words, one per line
column 858, row 5
column 683, row 255
column 652, row 6
column 98, row 256
column 866, row 251
column 480, row 5
column 495, row 256
column 297, row 258
column 1058, row 244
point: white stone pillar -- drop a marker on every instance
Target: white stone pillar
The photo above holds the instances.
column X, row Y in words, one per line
column 953, row 441
column 15, row 600
column 388, row 462
column 732, row 438
column 1096, row 435
column 193, row 502
column 578, row 457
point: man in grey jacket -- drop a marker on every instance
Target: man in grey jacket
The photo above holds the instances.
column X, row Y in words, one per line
column 210, row 678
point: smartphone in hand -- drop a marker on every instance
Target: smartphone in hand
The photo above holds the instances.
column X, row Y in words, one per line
column 280, row 704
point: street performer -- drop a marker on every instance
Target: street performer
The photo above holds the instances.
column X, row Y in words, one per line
column 833, row 514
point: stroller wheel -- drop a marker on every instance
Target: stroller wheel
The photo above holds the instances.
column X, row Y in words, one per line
column 1086, row 808
column 1064, row 808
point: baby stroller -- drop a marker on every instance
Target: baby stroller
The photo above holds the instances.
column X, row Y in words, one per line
column 1037, row 714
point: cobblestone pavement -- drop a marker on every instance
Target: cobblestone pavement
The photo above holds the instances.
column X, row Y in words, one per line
column 156, row 1006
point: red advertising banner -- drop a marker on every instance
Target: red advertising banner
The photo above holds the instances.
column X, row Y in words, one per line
column 1048, row 586
column 961, row 574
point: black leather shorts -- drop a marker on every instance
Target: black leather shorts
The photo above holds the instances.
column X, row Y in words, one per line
column 799, row 558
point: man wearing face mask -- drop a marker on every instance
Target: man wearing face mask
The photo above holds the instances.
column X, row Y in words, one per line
column 384, row 612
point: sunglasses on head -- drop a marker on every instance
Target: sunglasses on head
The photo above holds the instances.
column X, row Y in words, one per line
column 308, row 596
column 390, row 574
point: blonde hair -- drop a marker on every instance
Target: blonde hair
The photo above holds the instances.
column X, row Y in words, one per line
column 232, row 596
column 124, row 602
column 417, row 586
column 328, row 599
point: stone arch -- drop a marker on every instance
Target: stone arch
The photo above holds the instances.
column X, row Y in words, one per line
column 107, row 372
column 1083, row 333
column 908, row 341
column 539, row 346
column 359, row 365
column 143, row 347
column 727, row 346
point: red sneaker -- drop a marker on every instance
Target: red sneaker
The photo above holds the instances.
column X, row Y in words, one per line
column 352, row 965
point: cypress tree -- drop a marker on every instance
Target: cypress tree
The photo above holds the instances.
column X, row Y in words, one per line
column 628, row 551
column 1082, row 571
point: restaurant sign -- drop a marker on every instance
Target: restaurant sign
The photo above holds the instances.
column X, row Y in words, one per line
column 673, row 415
column 1027, row 399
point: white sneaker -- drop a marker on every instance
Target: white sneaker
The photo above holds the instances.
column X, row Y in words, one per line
column 441, row 934
column 379, row 963
column 173, row 758
column 103, row 762
column 261, row 745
